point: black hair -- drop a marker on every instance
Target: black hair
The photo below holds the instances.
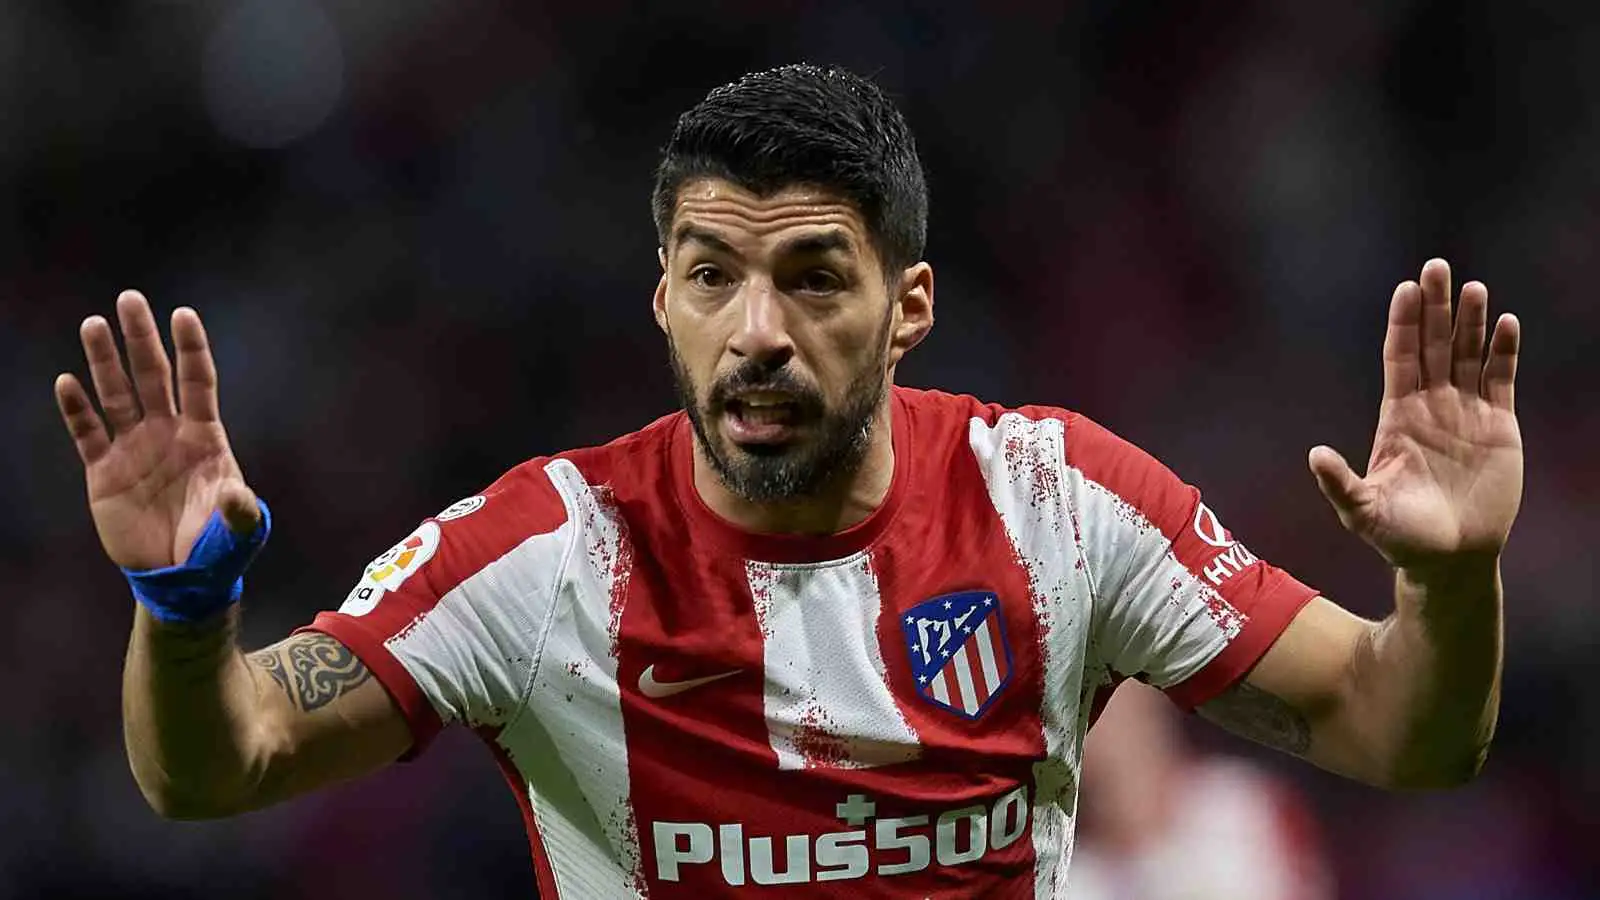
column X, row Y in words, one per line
column 803, row 124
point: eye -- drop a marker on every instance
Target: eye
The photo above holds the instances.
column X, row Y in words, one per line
column 709, row 277
column 820, row 281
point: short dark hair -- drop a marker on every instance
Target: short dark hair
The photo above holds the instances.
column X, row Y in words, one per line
column 803, row 124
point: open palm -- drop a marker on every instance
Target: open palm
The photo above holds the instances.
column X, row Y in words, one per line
column 155, row 470
column 1445, row 474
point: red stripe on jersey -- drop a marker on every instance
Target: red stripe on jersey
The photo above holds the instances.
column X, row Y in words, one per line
column 519, row 504
column 1267, row 596
column 701, row 755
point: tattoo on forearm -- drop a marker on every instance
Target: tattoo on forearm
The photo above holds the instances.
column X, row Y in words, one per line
column 1262, row 717
column 312, row 669
column 269, row 661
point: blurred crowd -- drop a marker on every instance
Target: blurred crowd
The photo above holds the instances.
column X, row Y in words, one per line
column 418, row 232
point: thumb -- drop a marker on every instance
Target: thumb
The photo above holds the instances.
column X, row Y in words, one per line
column 1339, row 483
column 237, row 503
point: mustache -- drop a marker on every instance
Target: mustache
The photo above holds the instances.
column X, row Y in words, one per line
column 753, row 376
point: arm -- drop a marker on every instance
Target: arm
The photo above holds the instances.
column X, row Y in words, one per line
column 209, row 731
column 1402, row 703
column 212, row 732
column 1409, row 702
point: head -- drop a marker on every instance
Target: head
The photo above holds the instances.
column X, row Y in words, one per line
column 791, row 211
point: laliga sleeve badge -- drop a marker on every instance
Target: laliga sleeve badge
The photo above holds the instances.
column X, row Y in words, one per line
column 462, row 508
column 391, row 569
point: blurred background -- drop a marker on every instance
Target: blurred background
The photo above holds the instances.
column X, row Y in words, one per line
column 419, row 234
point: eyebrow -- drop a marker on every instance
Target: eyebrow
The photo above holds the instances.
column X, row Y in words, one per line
column 818, row 244
column 698, row 235
column 834, row 239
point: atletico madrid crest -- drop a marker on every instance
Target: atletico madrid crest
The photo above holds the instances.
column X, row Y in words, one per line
column 959, row 654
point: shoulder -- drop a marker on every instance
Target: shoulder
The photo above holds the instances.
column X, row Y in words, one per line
column 537, row 498
column 456, row 543
column 1015, row 431
column 934, row 410
column 1139, row 483
column 1036, row 440
column 931, row 408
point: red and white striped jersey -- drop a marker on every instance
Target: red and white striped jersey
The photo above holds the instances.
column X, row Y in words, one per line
column 687, row 709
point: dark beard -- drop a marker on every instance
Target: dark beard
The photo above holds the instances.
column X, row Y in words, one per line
column 766, row 474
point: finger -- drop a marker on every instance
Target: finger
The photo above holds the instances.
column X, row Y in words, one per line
column 111, row 383
column 1435, row 323
column 1339, row 483
column 1466, row 348
column 1500, row 372
column 238, row 506
column 147, row 358
column 1402, row 342
column 83, row 423
column 197, row 372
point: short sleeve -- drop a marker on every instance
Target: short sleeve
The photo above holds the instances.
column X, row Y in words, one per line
column 1179, row 601
column 446, row 619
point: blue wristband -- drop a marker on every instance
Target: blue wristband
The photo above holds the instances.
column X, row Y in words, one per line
column 210, row 580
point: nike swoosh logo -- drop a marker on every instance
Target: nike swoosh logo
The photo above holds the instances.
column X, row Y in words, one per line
column 655, row 690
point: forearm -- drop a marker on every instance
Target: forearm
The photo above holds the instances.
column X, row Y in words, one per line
column 1425, row 683
column 190, row 721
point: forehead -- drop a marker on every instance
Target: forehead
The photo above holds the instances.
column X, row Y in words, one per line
column 742, row 217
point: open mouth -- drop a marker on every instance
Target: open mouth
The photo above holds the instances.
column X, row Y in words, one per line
column 758, row 418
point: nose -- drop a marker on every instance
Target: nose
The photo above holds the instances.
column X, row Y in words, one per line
column 762, row 335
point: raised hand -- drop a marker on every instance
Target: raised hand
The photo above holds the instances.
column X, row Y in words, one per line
column 155, row 469
column 1445, row 475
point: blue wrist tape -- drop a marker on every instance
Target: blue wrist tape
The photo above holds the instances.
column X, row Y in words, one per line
column 210, row 580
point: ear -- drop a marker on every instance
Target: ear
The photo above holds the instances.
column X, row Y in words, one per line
column 658, row 304
column 913, row 311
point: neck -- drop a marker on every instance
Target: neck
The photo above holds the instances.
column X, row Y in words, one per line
column 841, row 503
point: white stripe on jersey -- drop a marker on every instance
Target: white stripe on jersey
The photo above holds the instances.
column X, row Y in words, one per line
column 569, row 742
column 1161, row 621
column 941, row 689
column 827, row 698
column 1133, row 607
column 468, row 653
column 1023, row 462
column 985, row 642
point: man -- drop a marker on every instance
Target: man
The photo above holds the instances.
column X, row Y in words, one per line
column 816, row 635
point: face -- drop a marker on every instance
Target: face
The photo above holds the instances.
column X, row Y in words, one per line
column 783, row 333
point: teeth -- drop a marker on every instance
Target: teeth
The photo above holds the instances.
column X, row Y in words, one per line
column 763, row 400
column 765, row 414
